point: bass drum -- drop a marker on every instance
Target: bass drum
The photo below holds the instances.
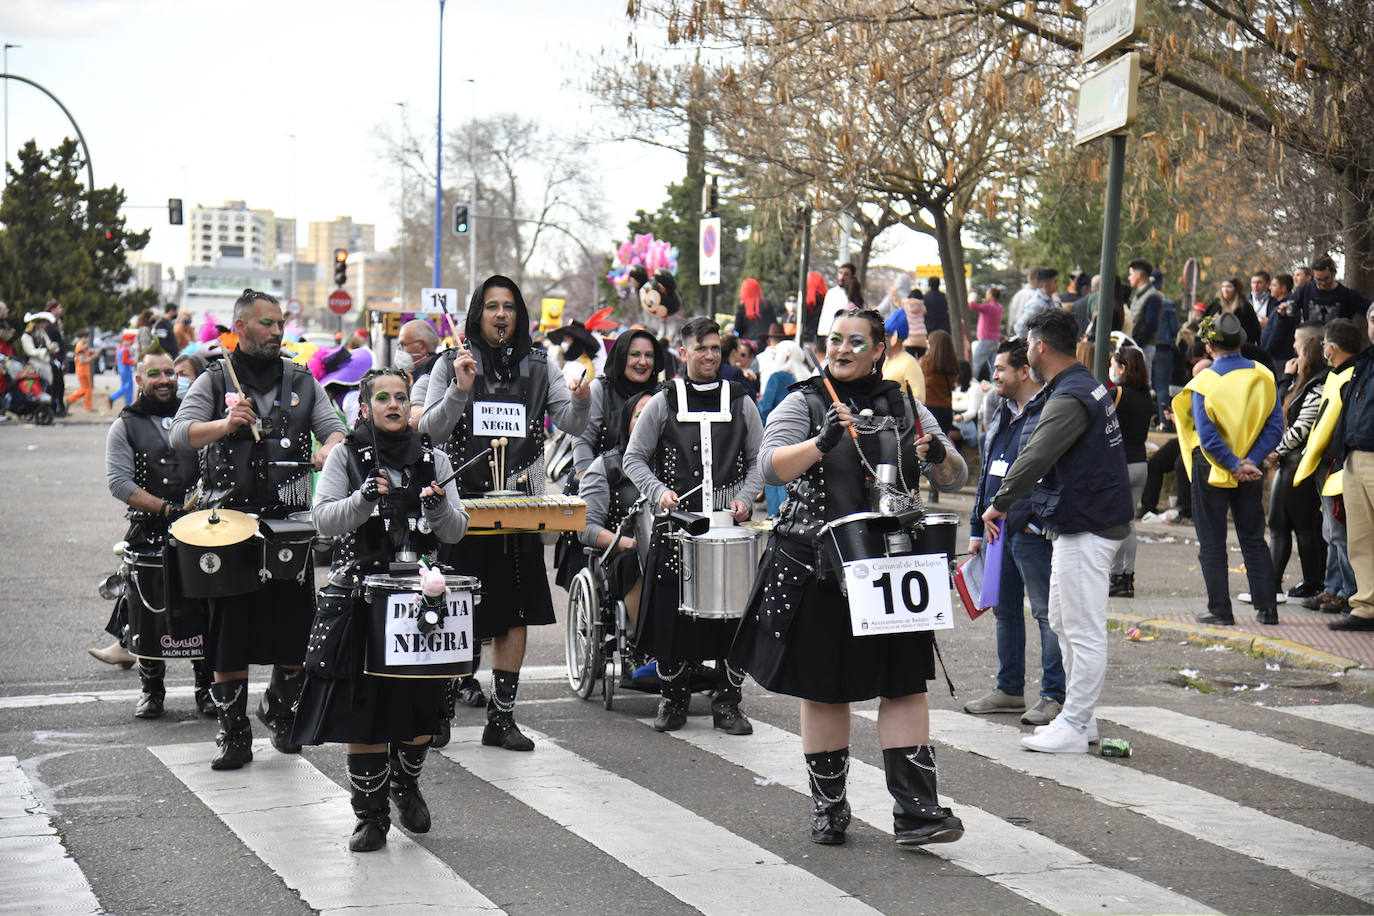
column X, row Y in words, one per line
column 160, row 628
column 396, row 644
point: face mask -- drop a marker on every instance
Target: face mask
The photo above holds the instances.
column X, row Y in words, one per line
column 1114, row 376
column 183, row 386
column 404, row 361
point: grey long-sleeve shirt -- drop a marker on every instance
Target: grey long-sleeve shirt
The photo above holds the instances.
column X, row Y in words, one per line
column 445, row 403
column 197, row 407
column 649, row 431
column 340, row 506
column 790, row 423
column 584, row 446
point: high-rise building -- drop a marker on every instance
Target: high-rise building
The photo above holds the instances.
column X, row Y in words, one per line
column 341, row 233
column 233, row 236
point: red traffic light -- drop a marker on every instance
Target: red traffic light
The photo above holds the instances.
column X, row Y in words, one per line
column 340, row 255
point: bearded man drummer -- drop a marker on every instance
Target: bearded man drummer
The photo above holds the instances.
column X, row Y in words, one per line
column 698, row 434
column 152, row 478
column 267, row 473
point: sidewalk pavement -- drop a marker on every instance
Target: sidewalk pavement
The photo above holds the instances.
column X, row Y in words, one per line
column 1301, row 637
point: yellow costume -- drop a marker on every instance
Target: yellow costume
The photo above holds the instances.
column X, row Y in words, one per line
column 1238, row 404
column 1328, row 415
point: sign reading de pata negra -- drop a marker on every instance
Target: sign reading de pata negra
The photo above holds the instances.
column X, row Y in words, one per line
column 449, row 643
column 499, row 418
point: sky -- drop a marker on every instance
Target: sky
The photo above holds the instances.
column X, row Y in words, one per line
column 201, row 100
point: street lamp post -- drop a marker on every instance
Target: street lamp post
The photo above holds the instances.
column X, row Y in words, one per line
column 402, row 282
column 439, row 159
column 7, row 111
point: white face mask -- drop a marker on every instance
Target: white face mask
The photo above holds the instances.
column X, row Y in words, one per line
column 404, row 361
column 1114, row 376
column 183, row 386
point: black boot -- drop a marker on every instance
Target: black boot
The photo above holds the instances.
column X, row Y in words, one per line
column 154, row 695
column 204, row 678
column 917, row 816
column 406, row 762
column 367, row 775
column 676, row 693
column 1122, row 586
column 501, row 730
column 278, row 707
column 235, row 738
column 725, row 714
column 441, row 735
column 469, row 690
column 829, row 807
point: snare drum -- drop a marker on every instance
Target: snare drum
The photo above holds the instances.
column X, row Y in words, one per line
column 868, row 535
column 158, row 628
column 288, row 542
column 395, row 645
column 717, row 571
column 940, row 534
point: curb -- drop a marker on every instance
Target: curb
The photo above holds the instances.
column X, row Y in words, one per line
column 1265, row 646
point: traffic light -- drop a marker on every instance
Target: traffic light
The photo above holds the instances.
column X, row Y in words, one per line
column 174, row 211
column 460, row 219
column 340, row 266
column 710, row 198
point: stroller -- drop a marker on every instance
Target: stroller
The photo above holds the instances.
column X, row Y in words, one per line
column 22, row 393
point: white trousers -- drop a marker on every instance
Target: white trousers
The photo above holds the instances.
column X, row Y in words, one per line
column 1078, row 615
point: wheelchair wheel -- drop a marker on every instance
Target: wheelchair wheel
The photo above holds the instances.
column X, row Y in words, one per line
column 43, row 415
column 583, row 646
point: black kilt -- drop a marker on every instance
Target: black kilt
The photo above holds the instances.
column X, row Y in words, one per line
column 795, row 638
column 515, row 583
column 267, row 627
column 663, row 632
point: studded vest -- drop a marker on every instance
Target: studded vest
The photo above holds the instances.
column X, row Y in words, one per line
column 531, row 388
column 158, row 468
column 374, row 544
column 677, row 460
column 838, row 484
column 612, row 403
column 243, row 469
column 624, row 493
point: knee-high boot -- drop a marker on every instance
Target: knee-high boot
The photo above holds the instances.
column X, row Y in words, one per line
column 441, row 735
column 917, row 817
column 469, row 691
column 406, row 762
column 368, row 775
column 829, row 806
column 725, row 712
column 501, row 730
column 278, row 707
column 204, row 678
column 235, row 738
column 154, row 691
column 676, row 690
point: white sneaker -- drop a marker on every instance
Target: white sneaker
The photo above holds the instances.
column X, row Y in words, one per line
column 1279, row 598
column 1244, row 598
column 1091, row 733
column 1059, row 737
column 1152, row 517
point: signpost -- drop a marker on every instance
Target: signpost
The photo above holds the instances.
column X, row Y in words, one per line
column 340, row 302
column 709, row 272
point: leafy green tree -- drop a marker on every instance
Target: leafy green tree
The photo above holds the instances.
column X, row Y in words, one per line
column 61, row 240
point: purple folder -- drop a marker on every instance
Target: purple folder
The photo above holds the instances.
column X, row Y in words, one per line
column 992, row 571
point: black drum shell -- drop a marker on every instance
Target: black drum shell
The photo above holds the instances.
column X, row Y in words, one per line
column 159, row 629
column 216, row 572
column 940, row 534
column 288, row 553
column 374, row 657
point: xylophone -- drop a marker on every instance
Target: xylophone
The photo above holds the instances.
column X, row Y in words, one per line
column 553, row 512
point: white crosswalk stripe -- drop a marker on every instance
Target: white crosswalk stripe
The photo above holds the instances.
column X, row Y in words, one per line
column 1343, row 715
column 298, row 821
column 704, row 865
column 1022, row 861
column 1318, row 857
column 37, row 876
column 1280, row 758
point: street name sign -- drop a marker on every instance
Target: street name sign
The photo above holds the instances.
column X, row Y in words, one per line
column 1107, row 98
column 1109, row 24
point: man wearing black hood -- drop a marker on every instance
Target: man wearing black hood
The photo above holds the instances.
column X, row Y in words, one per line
column 267, row 474
column 502, row 375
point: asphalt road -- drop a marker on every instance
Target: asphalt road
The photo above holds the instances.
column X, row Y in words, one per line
column 1234, row 799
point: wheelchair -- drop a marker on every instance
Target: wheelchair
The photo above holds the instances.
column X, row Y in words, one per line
column 598, row 628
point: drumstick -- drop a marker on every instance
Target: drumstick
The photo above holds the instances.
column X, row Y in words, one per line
column 838, row 403
column 234, row 377
column 467, row 464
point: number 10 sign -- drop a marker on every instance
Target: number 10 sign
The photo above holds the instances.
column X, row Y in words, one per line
column 899, row 594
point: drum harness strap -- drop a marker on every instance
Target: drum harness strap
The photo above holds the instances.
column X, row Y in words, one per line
column 705, row 418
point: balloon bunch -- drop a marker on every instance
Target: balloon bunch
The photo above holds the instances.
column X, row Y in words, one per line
column 646, row 252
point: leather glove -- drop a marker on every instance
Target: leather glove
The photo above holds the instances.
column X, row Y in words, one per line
column 832, row 431
column 935, row 450
column 431, row 501
column 371, row 492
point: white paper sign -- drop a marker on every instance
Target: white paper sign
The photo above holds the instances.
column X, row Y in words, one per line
column 499, row 418
column 447, row 644
column 899, row 594
column 443, row 299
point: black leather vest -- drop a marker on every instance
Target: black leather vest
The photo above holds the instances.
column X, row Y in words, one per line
column 612, row 403
column 623, row 490
column 158, row 468
column 531, row 388
column 373, row 545
column 677, row 460
column 244, row 469
column 838, row 484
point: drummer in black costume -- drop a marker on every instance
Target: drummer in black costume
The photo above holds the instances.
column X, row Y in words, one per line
column 503, row 376
column 664, row 458
column 153, row 479
column 378, row 496
column 270, row 477
column 796, row 637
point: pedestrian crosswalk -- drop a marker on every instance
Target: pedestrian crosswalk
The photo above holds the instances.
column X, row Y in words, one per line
column 288, row 814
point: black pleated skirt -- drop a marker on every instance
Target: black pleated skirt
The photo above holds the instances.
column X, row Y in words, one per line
column 664, row 633
column 267, row 627
column 515, row 582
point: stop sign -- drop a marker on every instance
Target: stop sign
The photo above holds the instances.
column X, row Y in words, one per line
column 340, row 302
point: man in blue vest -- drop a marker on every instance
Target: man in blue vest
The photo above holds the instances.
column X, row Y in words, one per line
column 1074, row 470
column 1026, row 566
